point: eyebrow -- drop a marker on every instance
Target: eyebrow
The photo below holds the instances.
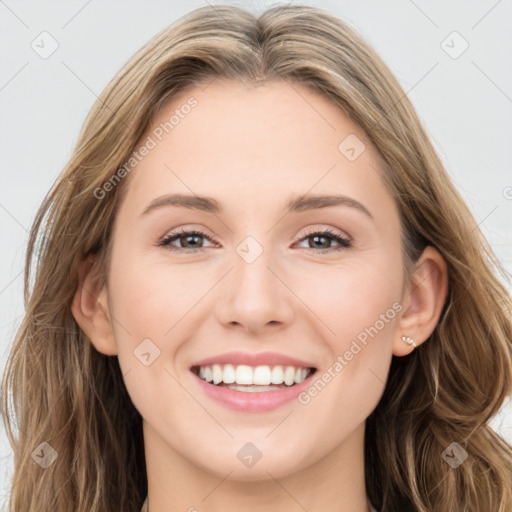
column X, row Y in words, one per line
column 301, row 203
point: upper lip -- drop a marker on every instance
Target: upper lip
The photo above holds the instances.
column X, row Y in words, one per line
column 253, row 359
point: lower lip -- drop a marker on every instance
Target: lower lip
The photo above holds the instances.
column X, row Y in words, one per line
column 242, row 401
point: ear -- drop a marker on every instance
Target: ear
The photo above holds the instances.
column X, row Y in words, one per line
column 91, row 310
column 423, row 301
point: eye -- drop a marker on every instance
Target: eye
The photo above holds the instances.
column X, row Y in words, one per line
column 187, row 237
column 323, row 239
column 189, row 240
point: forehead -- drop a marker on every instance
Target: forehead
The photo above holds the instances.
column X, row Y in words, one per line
column 248, row 119
column 229, row 137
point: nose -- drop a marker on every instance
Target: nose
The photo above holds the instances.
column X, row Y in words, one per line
column 255, row 296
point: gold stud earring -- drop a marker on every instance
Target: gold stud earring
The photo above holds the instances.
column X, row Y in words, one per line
column 409, row 341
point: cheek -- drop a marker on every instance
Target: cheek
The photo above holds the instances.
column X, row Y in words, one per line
column 143, row 308
column 148, row 305
column 149, row 298
column 353, row 300
column 361, row 308
column 360, row 303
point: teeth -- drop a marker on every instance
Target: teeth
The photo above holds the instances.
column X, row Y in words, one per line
column 253, row 389
column 259, row 376
column 262, row 375
column 216, row 373
column 229, row 375
column 244, row 374
column 289, row 376
column 208, row 373
column 277, row 375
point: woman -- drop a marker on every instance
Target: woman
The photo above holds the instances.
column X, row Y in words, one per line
column 337, row 339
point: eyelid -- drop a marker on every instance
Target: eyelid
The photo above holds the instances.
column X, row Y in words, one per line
column 343, row 240
column 181, row 231
column 331, row 231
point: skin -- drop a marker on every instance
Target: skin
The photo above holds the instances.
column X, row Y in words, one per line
column 253, row 148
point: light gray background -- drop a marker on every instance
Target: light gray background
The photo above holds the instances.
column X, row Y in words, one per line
column 465, row 103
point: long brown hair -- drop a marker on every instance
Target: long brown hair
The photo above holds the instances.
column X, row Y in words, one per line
column 68, row 395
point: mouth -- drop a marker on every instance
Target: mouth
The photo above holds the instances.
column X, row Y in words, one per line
column 253, row 379
column 252, row 382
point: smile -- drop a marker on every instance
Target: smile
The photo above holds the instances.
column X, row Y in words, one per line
column 247, row 378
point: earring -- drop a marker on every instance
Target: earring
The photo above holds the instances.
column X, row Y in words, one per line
column 409, row 341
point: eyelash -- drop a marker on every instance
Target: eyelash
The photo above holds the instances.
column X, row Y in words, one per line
column 345, row 243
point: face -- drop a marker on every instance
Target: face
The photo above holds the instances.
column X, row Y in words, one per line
column 255, row 278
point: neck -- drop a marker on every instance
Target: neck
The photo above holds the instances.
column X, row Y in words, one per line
column 333, row 483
